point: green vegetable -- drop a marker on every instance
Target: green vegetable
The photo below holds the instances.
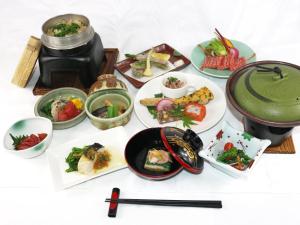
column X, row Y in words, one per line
column 178, row 112
column 152, row 110
column 231, row 155
column 112, row 111
column 172, row 79
column 244, row 157
column 62, row 29
column 73, row 159
column 215, row 48
column 158, row 95
column 47, row 109
column 187, row 121
column 17, row 139
column 228, row 156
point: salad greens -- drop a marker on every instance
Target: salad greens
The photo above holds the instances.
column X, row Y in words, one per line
column 235, row 156
column 73, row 159
column 215, row 48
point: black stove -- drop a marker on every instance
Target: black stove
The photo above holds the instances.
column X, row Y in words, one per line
column 59, row 68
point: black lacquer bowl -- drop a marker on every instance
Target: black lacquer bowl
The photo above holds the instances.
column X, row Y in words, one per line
column 136, row 151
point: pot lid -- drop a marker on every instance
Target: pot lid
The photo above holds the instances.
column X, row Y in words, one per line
column 269, row 90
column 107, row 81
column 184, row 147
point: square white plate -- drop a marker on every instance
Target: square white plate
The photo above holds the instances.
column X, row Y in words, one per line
column 252, row 146
column 57, row 155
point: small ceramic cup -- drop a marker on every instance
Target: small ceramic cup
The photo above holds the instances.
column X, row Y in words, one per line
column 176, row 92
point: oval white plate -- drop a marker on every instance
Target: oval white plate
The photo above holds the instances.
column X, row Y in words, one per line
column 215, row 109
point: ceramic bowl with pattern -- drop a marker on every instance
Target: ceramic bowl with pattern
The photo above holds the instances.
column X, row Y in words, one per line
column 28, row 126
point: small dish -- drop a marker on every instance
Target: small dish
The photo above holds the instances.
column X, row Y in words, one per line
column 177, row 61
column 179, row 91
column 252, row 146
column 136, row 151
column 66, row 92
column 58, row 154
column 197, row 59
column 116, row 96
column 161, row 153
column 28, row 126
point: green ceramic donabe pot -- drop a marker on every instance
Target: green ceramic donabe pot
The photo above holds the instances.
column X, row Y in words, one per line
column 270, row 92
column 267, row 94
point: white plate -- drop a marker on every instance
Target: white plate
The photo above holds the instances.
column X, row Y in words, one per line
column 215, row 109
column 57, row 155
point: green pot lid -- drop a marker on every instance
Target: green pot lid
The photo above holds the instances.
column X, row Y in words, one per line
column 270, row 91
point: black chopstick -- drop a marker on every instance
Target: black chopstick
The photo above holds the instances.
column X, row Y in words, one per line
column 165, row 202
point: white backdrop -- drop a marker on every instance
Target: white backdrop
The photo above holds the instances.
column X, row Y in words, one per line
column 271, row 195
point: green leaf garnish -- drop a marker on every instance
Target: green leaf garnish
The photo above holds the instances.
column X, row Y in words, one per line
column 187, row 121
column 172, row 79
column 158, row 95
column 63, row 29
column 73, row 159
column 152, row 110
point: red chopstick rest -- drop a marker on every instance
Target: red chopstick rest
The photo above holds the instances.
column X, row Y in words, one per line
column 113, row 206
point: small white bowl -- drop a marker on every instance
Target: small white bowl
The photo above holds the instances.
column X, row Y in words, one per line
column 176, row 92
column 34, row 125
column 252, row 146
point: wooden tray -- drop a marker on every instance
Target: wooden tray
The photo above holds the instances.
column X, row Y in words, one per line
column 124, row 66
column 287, row 147
column 107, row 67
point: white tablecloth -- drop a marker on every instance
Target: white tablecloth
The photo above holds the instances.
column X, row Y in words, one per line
column 271, row 195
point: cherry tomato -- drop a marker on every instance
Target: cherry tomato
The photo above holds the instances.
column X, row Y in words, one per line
column 195, row 111
column 228, row 146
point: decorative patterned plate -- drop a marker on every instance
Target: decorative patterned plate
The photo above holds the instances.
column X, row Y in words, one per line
column 252, row 146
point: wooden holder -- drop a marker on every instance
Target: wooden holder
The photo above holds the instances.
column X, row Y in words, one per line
column 26, row 65
column 287, row 147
